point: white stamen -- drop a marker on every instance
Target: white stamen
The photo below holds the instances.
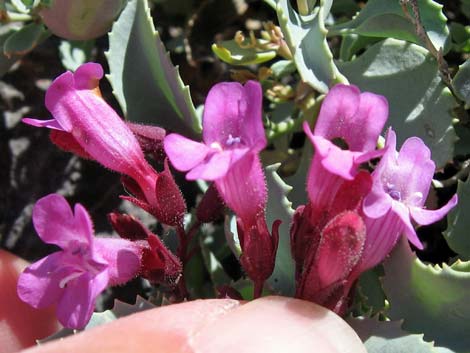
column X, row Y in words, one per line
column 231, row 140
column 70, row 277
column 216, row 145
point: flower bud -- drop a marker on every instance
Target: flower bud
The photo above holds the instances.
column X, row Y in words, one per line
column 211, row 206
column 127, row 226
column 81, row 19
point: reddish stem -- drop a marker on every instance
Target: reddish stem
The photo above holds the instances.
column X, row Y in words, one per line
column 258, row 289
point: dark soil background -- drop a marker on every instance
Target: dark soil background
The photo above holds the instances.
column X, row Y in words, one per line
column 32, row 167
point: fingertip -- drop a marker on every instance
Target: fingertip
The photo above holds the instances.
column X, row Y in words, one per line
column 165, row 329
column 272, row 324
column 20, row 324
column 278, row 324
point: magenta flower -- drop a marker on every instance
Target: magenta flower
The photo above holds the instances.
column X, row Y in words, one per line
column 74, row 277
column 401, row 183
column 353, row 120
column 75, row 102
column 232, row 127
column 328, row 234
column 233, row 135
column 348, row 117
column 327, row 245
column 243, row 189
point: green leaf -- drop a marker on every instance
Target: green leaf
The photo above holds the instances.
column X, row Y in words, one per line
column 461, row 83
column 344, row 8
column 279, row 207
column 145, row 82
column 231, row 53
column 369, row 288
column 306, row 38
column 22, row 6
column 386, row 19
column 271, row 3
column 465, row 7
column 298, row 181
column 75, row 53
column 213, row 266
column 25, row 39
column 352, row 43
column 387, row 336
column 282, row 68
column 431, row 299
column 6, row 62
column 195, row 276
column 420, row 105
column 462, row 146
column 460, row 37
column 245, row 287
column 457, row 233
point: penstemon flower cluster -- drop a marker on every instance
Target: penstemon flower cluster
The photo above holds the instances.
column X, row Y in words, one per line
column 361, row 198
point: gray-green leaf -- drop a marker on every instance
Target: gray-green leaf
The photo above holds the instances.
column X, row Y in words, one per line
column 25, row 39
column 431, row 299
column 458, row 230
column 145, row 82
column 408, row 76
column 461, row 83
column 306, row 38
column 385, row 19
column 387, row 336
column 230, row 52
column 74, row 53
column 279, row 207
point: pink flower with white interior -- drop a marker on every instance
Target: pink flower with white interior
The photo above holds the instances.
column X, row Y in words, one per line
column 351, row 117
column 233, row 135
column 73, row 278
column 401, row 183
column 232, row 127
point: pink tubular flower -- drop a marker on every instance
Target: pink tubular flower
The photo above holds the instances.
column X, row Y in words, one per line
column 327, row 244
column 401, row 183
column 330, row 226
column 233, row 135
column 351, row 117
column 243, row 189
column 232, row 127
column 75, row 102
column 73, row 277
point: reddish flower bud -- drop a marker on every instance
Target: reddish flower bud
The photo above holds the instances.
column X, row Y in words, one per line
column 258, row 248
column 132, row 187
column 159, row 265
column 327, row 244
column 327, row 270
column 66, row 142
column 168, row 207
column 127, row 226
column 304, row 236
column 150, row 139
column 211, row 206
